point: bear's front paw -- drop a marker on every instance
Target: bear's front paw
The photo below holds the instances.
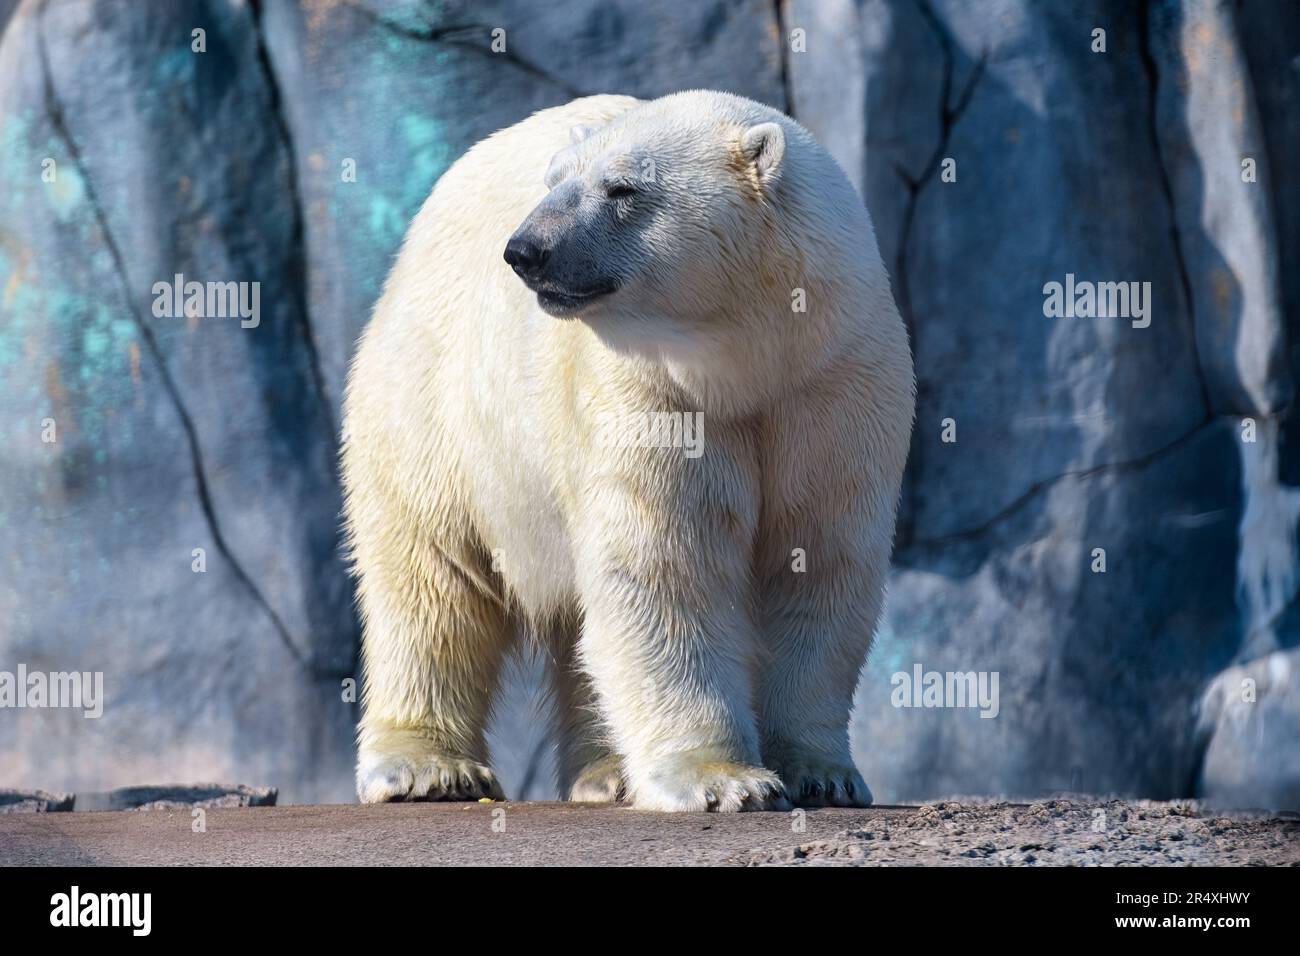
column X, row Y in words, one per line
column 824, row 783
column 696, row 781
column 411, row 769
column 600, row 781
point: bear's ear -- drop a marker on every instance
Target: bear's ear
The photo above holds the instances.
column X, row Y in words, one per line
column 764, row 147
column 579, row 133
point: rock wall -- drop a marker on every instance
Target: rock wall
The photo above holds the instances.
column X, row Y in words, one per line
column 997, row 152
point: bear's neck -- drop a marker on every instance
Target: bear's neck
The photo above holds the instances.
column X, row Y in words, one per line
column 753, row 359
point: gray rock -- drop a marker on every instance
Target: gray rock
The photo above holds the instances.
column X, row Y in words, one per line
column 1270, row 37
column 181, row 796
column 1082, row 702
column 174, row 436
column 1249, row 725
column 7, row 8
column 1075, row 434
column 35, row 801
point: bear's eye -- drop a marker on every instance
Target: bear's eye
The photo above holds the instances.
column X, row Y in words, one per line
column 620, row 190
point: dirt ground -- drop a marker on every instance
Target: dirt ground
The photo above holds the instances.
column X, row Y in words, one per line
column 968, row 833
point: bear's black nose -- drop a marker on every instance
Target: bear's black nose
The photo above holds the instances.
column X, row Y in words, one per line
column 525, row 256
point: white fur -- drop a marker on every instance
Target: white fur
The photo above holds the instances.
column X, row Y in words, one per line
column 664, row 581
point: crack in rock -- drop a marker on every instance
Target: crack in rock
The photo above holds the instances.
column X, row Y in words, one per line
column 1038, row 487
column 467, row 36
column 783, row 52
column 950, row 112
column 55, row 111
column 297, row 238
column 1167, row 191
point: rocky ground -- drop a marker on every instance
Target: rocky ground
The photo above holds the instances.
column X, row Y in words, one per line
column 968, row 833
column 1053, row 833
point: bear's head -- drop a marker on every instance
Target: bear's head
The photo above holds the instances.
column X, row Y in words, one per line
column 661, row 222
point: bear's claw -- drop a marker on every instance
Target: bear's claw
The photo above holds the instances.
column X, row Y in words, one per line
column 693, row 782
column 600, row 781
column 384, row 777
column 816, row 784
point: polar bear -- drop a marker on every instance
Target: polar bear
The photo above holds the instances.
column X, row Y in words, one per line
column 637, row 390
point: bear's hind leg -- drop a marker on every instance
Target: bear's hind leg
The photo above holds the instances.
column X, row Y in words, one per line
column 588, row 771
column 436, row 634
